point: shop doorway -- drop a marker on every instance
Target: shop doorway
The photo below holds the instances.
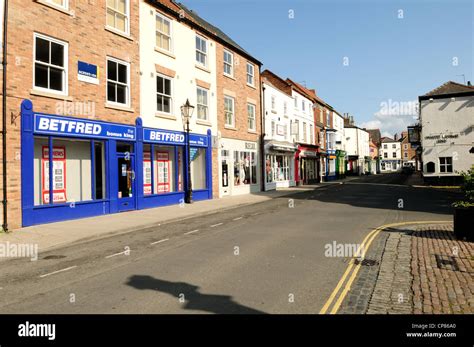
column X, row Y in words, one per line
column 126, row 177
column 225, row 169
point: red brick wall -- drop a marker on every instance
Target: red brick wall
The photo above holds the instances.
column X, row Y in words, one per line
column 89, row 41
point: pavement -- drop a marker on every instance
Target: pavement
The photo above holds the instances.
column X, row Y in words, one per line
column 274, row 255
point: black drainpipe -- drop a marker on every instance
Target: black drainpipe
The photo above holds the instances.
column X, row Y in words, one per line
column 262, row 130
column 4, row 117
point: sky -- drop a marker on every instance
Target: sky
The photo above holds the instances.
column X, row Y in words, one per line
column 370, row 58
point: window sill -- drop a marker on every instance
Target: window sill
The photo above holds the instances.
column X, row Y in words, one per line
column 229, row 76
column 165, row 115
column 119, row 33
column 50, row 95
column 251, row 86
column 203, row 68
column 273, row 111
column 203, row 122
column 230, row 127
column 165, row 52
column 118, row 107
column 252, row 131
column 55, row 7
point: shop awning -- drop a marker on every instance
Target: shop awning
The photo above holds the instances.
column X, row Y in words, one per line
column 281, row 146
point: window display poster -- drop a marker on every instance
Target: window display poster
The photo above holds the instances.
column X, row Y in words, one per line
column 163, row 162
column 146, row 173
column 59, row 174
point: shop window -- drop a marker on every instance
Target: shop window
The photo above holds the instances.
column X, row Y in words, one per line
column 163, row 170
column 118, row 82
column 198, row 168
column 268, row 168
column 99, row 170
column 245, row 168
column 72, row 171
column 50, row 65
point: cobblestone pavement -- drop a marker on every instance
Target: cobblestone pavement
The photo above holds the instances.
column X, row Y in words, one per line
column 423, row 269
column 443, row 271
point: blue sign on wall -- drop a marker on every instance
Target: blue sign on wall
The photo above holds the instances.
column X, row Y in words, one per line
column 53, row 125
column 87, row 72
column 173, row 137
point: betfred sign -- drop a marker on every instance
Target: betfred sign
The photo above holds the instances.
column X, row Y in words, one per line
column 66, row 126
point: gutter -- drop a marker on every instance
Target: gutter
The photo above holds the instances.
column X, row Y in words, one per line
column 4, row 118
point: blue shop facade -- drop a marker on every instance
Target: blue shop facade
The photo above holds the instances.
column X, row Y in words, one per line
column 96, row 167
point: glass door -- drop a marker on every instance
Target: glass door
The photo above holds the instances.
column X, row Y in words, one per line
column 126, row 181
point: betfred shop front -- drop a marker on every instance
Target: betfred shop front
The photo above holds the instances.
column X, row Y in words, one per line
column 76, row 167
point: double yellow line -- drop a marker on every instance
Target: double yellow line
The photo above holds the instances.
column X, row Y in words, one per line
column 353, row 268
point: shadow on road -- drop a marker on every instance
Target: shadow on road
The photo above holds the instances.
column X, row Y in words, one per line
column 222, row 304
column 394, row 196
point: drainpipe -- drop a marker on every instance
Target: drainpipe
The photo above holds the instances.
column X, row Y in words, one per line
column 4, row 117
column 262, row 130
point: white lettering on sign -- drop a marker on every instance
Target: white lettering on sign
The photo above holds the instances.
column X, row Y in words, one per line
column 69, row 126
column 166, row 137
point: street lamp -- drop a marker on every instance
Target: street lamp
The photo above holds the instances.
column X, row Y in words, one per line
column 186, row 112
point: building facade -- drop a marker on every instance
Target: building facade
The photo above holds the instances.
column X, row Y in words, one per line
column 408, row 151
column 357, row 148
column 391, row 155
column 447, row 135
column 59, row 103
column 307, row 169
column 279, row 145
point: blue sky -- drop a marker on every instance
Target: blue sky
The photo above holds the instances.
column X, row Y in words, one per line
column 390, row 59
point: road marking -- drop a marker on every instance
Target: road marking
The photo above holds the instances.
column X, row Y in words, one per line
column 255, row 214
column 55, row 272
column 355, row 269
column 191, row 232
column 216, row 225
column 160, row 241
column 113, row 255
column 237, row 218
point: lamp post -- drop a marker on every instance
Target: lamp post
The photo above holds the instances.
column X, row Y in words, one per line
column 186, row 112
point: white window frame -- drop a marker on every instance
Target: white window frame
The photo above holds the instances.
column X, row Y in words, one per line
column 206, row 106
column 311, row 134
column 304, row 132
column 65, row 6
column 445, row 165
column 251, row 75
column 127, row 64
column 127, row 18
column 202, row 52
column 164, row 18
column 233, row 111
column 65, row 68
column 231, row 64
column 170, row 96
column 285, row 108
column 252, row 106
column 273, row 102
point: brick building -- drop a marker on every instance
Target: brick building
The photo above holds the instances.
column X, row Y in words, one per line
column 76, row 59
column 237, row 169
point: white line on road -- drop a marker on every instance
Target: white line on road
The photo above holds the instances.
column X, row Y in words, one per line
column 113, row 255
column 237, row 218
column 191, row 232
column 255, row 214
column 160, row 241
column 216, row 225
column 55, row 272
